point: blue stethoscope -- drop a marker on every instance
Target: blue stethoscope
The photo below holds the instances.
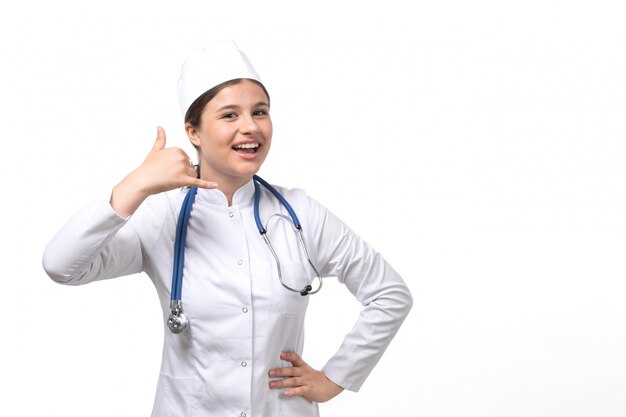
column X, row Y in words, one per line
column 177, row 322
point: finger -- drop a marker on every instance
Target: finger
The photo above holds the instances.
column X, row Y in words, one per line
column 293, row 357
column 196, row 182
column 286, row 383
column 284, row 372
column 190, row 170
column 296, row 391
column 159, row 143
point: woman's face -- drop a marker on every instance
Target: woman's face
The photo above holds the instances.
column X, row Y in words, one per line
column 234, row 135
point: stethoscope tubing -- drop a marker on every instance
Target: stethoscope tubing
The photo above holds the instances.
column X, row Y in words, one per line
column 280, row 198
column 179, row 246
column 177, row 321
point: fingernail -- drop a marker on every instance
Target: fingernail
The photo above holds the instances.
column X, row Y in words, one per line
column 272, row 373
column 272, row 384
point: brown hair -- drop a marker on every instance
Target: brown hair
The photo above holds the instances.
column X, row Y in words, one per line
column 194, row 112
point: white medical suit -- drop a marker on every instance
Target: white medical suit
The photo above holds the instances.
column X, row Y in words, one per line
column 240, row 317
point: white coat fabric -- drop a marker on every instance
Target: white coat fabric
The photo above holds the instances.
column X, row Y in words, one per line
column 240, row 317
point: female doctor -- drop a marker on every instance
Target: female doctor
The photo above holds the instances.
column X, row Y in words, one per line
column 240, row 353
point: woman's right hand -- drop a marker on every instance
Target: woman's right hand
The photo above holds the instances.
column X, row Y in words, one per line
column 163, row 169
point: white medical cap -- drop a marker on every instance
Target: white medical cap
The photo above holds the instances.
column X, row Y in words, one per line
column 209, row 66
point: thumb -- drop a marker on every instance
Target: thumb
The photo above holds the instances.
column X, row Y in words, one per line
column 160, row 140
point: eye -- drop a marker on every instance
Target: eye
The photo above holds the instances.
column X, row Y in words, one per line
column 229, row 116
column 260, row 113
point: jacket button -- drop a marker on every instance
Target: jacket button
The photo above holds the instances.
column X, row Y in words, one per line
column 242, row 414
column 231, row 214
column 240, row 262
column 244, row 364
column 245, row 309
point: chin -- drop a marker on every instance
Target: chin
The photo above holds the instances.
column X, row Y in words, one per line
column 250, row 170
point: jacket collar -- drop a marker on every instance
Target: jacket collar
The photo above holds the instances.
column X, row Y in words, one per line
column 242, row 197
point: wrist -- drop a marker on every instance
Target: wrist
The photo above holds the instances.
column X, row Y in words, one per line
column 335, row 388
column 127, row 196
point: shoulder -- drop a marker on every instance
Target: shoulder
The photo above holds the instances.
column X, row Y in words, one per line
column 296, row 197
column 311, row 213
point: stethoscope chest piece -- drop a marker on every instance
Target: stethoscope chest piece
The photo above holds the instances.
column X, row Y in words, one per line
column 177, row 322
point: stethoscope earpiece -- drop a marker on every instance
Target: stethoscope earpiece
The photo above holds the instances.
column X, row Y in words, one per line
column 306, row 290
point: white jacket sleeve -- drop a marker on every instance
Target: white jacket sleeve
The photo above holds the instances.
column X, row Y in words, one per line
column 376, row 285
column 93, row 245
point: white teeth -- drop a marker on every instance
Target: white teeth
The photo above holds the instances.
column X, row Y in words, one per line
column 246, row 146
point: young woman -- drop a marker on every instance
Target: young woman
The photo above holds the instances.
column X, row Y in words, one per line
column 237, row 324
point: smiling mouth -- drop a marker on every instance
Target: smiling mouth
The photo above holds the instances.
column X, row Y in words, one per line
column 247, row 148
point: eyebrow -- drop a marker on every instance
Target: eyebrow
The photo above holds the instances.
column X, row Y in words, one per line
column 234, row 106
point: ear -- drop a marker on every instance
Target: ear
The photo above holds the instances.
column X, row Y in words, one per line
column 192, row 134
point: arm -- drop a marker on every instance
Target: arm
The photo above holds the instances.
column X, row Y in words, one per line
column 94, row 244
column 386, row 302
column 377, row 286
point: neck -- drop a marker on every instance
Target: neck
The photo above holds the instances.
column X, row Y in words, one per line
column 226, row 185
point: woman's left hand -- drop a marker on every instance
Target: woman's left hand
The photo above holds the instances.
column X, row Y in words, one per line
column 303, row 380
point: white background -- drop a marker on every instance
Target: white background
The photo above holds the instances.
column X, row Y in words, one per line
column 479, row 145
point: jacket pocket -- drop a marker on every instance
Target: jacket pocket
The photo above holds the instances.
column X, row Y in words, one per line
column 175, row 396
column 290, row 303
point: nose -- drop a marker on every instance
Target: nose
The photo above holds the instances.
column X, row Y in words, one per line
column 248, row 125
